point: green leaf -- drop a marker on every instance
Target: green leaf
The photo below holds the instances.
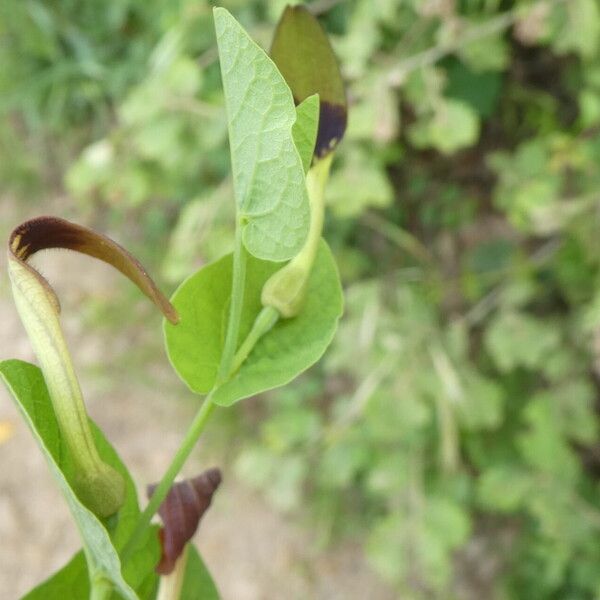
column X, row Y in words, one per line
column 480, row 90
column 516, row 339
column 450, row 126
column 198, row 584
column 305, row 129
column 438, row 529
column 26, row 384
column 504, row 488
column 70, row 582
column 489, row 53
column 543, row 445
column 303, row 54
column 580, row 30
column 358, row 184
column 194, row 346
column 268, row 177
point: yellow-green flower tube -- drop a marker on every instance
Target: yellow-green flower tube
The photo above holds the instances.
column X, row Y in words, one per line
column 99, row 486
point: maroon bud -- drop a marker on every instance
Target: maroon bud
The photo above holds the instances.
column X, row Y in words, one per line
column 181, row 512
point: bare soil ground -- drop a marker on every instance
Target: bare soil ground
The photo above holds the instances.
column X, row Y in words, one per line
column 254, row 552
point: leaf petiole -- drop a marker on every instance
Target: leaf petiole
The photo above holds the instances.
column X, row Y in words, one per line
column 264, row 322
column 238, row 283
column 189, row 441
column 101, row 589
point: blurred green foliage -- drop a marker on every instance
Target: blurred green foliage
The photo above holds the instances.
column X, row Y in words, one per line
column 453, row 427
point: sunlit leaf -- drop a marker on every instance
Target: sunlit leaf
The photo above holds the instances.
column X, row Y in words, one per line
column 293, row 345
column 271, row 196
column 305, row 129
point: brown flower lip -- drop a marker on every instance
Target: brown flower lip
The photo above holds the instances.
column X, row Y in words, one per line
column 47, row 232
column 332, row 125
column 181, row 511
column 99, row 486
column 304, row 56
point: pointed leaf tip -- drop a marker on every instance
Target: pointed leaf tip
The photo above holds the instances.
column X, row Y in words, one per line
column 43, row 233
column 305, row 129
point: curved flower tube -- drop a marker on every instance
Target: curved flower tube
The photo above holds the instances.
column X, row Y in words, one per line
column 100, row 487
column 286, row 289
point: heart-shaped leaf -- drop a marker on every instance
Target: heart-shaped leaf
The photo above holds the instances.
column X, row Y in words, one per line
column 195, row 345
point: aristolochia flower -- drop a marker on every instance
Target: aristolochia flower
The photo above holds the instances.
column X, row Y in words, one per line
column 100, row 487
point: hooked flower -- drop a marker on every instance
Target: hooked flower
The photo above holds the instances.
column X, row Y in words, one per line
column 99, row 486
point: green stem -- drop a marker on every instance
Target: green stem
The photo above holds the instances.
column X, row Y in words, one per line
column 101, row 589
column 286, row 289
column 201, row 418
column 263, row 323
column 316, row 179
column 235, row 310
column 161, row 491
